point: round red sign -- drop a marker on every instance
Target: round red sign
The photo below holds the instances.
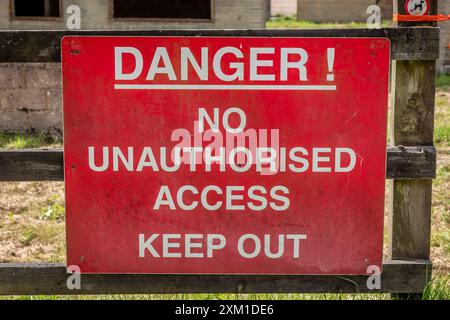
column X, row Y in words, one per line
column 417, row 7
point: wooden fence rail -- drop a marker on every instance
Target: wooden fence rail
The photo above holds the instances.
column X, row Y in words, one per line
column 44, row 46
column 21, row 279
column 47, row 165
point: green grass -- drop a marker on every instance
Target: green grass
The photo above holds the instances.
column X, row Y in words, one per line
column 441, row 199
column 28, row 236
column 442, row 240
column 442, row 135
column 286, row 22
column 442, row 112
column 443, row 80
column 54, row 209
column 438, row 288
column 23, row 141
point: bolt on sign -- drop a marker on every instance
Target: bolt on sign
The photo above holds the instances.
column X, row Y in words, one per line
column 225, row 155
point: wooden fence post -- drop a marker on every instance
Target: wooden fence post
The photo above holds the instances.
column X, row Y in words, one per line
column 413, row 92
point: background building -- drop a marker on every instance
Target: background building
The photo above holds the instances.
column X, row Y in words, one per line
column 135, row 14
column 30, row 94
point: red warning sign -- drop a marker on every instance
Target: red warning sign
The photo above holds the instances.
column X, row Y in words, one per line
column 233, row 155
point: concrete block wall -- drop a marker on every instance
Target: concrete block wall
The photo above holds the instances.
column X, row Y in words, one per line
column 283, row 7
column 30, row 97
column 340, row 11
column 30, row 94
column 332, row 10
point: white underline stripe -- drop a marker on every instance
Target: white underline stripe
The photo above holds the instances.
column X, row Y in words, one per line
column 222, row 87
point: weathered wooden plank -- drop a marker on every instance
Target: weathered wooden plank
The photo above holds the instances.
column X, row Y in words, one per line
column 44, row 46
column 410, row 228
column 21, row 279
column 47, row 165
column 413, row 103
column 411, row 162
column 31, row 165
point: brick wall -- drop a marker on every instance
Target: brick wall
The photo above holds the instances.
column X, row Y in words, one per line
column 30, row 94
